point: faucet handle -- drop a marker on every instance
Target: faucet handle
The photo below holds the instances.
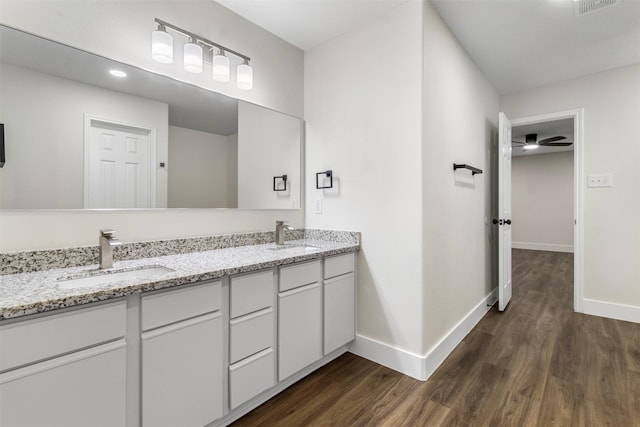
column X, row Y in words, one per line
column 280, row 222
column 107, row 232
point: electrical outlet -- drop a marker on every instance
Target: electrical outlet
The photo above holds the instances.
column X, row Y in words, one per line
column 600, row 180
column 318, row 206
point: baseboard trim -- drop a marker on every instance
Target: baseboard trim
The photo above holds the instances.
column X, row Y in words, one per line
column 611, row 310
column 392, row 357
column 414, row 365
column 550, row 247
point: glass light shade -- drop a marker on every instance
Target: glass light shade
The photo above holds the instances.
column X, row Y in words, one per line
column 220, row 66
column 245, row 77
column 162, row 47
column 193, row 57
column 530, row 146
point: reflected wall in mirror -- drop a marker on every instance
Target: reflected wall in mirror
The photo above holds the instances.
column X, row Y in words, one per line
column 78, row 137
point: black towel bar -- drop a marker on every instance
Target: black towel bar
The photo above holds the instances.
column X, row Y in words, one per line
column 465, row 166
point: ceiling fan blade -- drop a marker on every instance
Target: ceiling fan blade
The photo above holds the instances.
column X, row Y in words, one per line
column 552, row 139
column 556, row 144
column 517, row 143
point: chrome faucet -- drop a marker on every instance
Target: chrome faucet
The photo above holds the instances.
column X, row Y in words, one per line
column 107, row 242
column 280, row 229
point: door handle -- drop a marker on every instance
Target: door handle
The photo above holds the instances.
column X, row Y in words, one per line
column 501, row 221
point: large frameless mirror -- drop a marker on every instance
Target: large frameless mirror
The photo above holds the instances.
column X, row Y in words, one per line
column 81, row 135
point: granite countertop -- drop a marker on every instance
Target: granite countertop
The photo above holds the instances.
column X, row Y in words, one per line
column 37, row 292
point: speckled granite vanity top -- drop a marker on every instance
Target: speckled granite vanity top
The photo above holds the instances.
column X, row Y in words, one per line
column 40, row 291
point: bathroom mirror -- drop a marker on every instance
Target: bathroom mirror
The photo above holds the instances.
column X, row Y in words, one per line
column 77, row 137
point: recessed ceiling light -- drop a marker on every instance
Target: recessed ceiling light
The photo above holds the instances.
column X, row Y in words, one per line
column 117, row 73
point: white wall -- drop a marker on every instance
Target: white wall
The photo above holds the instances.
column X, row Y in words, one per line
column 232, row 170
column 611, row 102
column 198, row 169
column 460, row 113
column 44, row 132
column 121, row 30
column 33, row 229
column 542, row 202
column 268, row 146
column 409, row 105
column 363, row 121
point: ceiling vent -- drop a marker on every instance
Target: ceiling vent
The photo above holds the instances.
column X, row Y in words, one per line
column 583, row 7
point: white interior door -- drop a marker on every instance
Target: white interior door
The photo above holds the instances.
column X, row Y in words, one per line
column 119, row 168
column 504, row 212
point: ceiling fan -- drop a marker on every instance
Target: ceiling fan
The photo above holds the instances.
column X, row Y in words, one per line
column 531, row 141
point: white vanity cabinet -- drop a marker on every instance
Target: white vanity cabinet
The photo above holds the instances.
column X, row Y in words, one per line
column 299, row 317
column 339, row 301
column 182, row 356
column 66, row 369
column 251, row 336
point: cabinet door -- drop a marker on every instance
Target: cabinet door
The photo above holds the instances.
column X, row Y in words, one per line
column 85, row 388
column 339, row 312
column 182, row 373
column 299, row 329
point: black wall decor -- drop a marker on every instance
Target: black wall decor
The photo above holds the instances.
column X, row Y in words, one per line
column 2, row 156
column 327, row 174
column 465, row 166
column 281, row 185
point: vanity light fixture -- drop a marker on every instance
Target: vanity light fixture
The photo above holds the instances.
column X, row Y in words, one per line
column 162, row 45
column 193, row 56
column 220, row 67
column 244, row 75
column 162, row 51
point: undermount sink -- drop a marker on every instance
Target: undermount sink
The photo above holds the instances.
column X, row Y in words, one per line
column 307, row 248
column 106, row 277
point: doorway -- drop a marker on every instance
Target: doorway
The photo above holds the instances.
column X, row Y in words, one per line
column 119, row 164
column 560, row 208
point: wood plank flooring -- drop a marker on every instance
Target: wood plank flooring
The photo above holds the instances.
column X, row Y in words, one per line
column 536, row 364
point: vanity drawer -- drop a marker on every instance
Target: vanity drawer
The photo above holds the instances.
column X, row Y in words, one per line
column 299, row 275
column 339, row 265
column 251, row 377
column 339, row 311
column 251, row 292
column 177, row 304
column 251, row 334
column 28, row 341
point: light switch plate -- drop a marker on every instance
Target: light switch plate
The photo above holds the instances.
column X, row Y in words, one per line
column 318, row 209
column 600, row 180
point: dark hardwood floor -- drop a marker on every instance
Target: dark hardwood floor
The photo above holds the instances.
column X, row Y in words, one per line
column 536, row 364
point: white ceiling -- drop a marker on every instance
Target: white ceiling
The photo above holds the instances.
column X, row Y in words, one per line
column 309, row 23
column 518, row 44
column 521, row 44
